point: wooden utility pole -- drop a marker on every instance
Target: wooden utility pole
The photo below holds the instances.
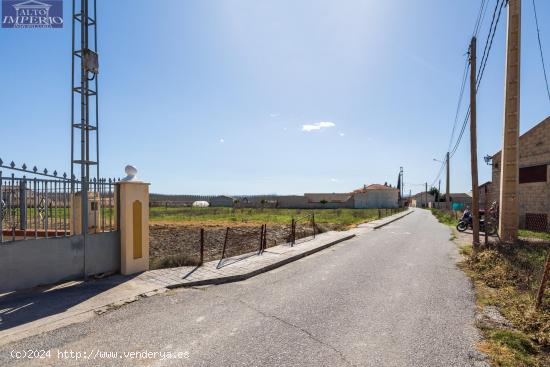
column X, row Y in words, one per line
column 509, row 171
column 448, row 184
column 473, row 142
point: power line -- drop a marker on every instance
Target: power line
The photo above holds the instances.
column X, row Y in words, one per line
column 461, row 95
column 489, row 41
column 540, row 48
column 464, row 124
column 443, row 165
column 490, row 30
column 480, row 18
column 487, row 49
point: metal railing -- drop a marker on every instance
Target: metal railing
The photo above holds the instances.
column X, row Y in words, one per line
column 243, row 241
column 40, row 205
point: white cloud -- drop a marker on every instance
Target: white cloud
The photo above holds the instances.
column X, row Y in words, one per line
column 222, row 140
column 272, row 115
column 318, row 126
column 334, row 180
column 342, row 134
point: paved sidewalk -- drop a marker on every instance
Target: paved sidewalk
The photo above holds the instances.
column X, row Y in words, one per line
column 243, row 266
column 31, row 312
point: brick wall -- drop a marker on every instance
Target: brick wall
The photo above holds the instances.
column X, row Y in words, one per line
column 534, row 150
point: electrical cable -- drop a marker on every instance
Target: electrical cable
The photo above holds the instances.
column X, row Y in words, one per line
column 540, row 49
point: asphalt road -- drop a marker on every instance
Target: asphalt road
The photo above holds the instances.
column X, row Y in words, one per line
column 390, row 297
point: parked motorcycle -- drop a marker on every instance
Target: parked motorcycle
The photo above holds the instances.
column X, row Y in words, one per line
column 466, row 222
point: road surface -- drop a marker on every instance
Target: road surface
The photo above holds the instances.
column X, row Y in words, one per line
column 390, row 297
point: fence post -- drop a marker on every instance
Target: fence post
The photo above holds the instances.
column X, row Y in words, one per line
column 313, row 223
column 543, row 282
column 265, row 237
column 379, row 214
column 23, row 206
column 224, row 244
column 202, row 246
column 292, row 232
column 261, row 239
column 134, row 224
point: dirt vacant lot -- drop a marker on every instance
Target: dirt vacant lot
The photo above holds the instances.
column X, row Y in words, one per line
column 175, row 233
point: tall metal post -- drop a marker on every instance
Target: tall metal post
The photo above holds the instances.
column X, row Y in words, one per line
column 473, row 143
column 509, row 171
column 87, row 59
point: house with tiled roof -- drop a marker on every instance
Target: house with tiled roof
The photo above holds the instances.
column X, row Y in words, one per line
column 376, row 196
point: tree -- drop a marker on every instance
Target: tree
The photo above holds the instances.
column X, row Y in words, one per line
column 435, row 192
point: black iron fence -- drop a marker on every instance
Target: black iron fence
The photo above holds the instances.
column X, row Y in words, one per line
column 41, row 205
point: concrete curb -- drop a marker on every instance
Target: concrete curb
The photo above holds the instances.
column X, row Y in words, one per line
column 393, row 220
column 241, row 277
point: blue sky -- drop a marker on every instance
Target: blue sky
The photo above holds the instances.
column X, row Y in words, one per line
column 285, row 96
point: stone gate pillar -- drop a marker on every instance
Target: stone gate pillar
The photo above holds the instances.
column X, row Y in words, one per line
column 133, row 216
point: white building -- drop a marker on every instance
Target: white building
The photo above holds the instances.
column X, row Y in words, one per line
column 376, row 196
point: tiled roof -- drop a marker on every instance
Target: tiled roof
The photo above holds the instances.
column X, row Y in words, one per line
column 375, row 187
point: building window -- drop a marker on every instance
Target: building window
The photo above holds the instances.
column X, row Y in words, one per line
column 532, row 174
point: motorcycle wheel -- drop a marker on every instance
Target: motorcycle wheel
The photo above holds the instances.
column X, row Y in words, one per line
column 461, row 226
column 491, row 229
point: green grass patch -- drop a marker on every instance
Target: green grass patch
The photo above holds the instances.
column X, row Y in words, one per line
column 508, row 276
column 510, row 348
column 531, row 234
column 515, row 341
column 340, row 217
column 445, row 217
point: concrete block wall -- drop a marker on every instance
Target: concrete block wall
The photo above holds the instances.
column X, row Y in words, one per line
column 376, row 199
column 534, row 150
